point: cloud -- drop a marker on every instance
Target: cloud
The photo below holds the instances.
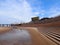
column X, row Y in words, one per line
column 13, row 9
column 48, row 9
column 53, row 11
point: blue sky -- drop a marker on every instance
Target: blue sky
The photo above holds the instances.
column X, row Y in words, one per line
column 18, row 11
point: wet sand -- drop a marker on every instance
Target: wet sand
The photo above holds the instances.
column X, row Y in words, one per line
column 15, row 37
column 37, row 37
column 24, row 36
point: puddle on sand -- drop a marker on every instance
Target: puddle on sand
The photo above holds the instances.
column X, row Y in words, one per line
column 15, row 37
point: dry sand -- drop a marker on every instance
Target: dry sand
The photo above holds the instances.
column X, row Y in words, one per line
column 4, row 29
column 52, row 24
column 37, row 37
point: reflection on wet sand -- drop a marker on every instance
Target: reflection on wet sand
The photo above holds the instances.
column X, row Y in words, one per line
column 15, row 37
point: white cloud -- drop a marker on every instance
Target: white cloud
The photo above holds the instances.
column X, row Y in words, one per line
column 21, row 11
column 54, row 11
column 37, row 13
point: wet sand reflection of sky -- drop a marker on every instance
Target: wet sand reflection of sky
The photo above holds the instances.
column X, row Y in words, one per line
column 15, row 36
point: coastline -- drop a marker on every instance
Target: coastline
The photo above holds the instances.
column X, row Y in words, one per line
column 37, row 37
column 5, row 29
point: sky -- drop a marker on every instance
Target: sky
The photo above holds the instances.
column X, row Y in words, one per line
column 19, row 11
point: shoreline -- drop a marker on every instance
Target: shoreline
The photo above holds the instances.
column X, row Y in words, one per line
column 37, row 37
column 4, row 29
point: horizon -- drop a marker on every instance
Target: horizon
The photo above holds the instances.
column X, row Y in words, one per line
column 18, row 11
